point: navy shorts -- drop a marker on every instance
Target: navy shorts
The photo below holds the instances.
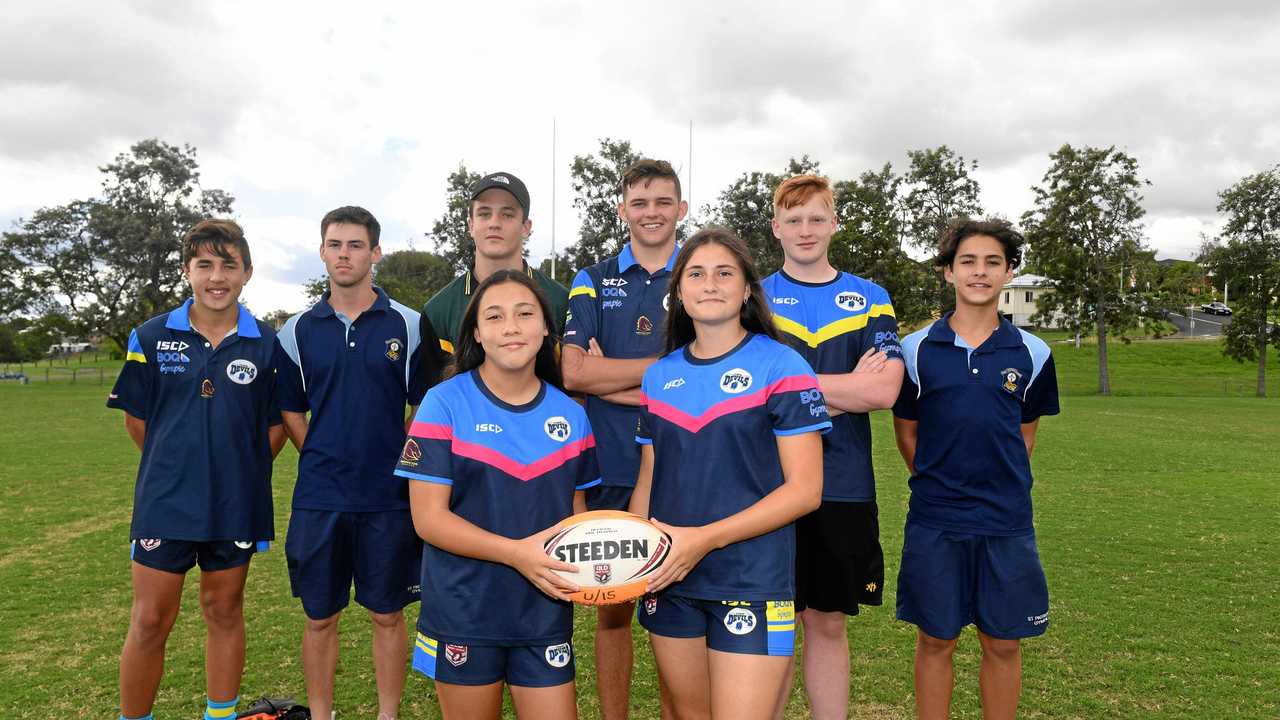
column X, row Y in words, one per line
column 839, row 563
column 520, row 665
column 179, row 556
column 327, row 549
column 952, row 579
column 608, row 497
column 746, row 627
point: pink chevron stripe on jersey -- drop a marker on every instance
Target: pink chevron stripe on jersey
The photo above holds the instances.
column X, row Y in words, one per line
column 495, row 459
column 676, row 416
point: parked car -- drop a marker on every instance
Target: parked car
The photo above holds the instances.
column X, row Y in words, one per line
column 1215, row 308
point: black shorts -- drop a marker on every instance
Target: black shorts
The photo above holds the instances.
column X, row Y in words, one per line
column 839, row 563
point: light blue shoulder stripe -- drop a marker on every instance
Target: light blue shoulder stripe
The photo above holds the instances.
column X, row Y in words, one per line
column 1039, row 351
column 413, row 327
column 288, row 339
column 911, row 355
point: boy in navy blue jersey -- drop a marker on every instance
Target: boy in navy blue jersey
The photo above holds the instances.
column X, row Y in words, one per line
column 844, row 326
column 613, row 333
column 197, row 392
column 354, row 361
column 965, row 421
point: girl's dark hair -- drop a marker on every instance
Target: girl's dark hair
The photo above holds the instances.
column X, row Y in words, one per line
column 963, row 228
column 755, row 314
column 469, row 354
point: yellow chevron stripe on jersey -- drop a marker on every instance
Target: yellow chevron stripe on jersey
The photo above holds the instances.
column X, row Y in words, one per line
column 136, row 357
column 831, row 330
column 582, row 290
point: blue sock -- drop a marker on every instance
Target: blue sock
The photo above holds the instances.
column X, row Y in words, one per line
column 144, row 717
column 215, row 710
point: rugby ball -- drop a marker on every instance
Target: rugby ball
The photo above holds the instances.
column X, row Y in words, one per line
column 615, row 553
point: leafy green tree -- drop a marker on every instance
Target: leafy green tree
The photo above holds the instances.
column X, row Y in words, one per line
column 869, row 243
column 1086, row 235
column 115, row 260
column 35, row 338
column 412, row 276
column 939, row 189
column 597, row 187
column 746, row 207
column 451, row 233
column 1249, row 261
column 315, row 287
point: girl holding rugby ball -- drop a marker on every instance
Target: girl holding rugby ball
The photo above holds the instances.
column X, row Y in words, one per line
column 731, row 455
column 496, row 456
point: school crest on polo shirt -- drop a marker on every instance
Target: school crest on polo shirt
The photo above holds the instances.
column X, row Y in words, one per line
column 395, row 346
column 1011, row 377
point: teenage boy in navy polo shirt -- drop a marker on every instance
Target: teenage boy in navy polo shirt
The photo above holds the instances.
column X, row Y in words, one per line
column 197, row 393
column 844, row 327
column 965, row 421
column 352, row 360
column 613, row 333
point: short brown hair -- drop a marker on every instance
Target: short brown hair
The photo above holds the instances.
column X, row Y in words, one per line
column 352, row 215
column 216, row 235
column 961, row 229
column 646, row 171
column 797, row 190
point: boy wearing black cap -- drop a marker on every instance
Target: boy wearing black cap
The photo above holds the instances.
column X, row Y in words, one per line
column 499, row 223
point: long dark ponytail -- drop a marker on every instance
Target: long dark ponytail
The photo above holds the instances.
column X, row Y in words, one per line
column 469, row 354
column 755, row 315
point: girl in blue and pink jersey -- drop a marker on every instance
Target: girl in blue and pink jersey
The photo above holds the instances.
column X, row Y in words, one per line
column 731, row 455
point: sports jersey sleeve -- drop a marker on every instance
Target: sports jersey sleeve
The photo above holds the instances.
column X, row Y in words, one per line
column 588, row 467
column 795, row 403
column 291, row 395
column 1042, row 396
column 905, row 406
column 882, row 327
column 427, row 453
column 426, row 361
column 580, row 322
column 132, row 391
column 644, row 422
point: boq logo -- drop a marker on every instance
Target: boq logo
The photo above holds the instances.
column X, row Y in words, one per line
column 851, row 301
column 241, row 372
column 735, row 381
column 557, row 428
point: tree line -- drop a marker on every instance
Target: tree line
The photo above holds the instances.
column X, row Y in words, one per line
column 105, row 264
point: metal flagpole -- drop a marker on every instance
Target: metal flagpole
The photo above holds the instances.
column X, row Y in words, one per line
column 553, row 198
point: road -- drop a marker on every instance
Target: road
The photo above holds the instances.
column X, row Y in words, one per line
column 1205, row 325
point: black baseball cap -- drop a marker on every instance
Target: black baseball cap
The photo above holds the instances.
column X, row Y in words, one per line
column 505, row 181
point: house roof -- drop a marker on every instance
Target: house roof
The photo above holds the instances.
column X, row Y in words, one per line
column 1029, row 281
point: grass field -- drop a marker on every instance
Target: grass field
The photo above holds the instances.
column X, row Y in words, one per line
column 1158, row 514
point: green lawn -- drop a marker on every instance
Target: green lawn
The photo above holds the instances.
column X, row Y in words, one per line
column 1158, row 514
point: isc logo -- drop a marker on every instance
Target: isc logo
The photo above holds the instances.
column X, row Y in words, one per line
column 673, row 383
column 786, row 301
column 851, row 301
column 613, row 282
column 488, row 427
column 735, row 381
column 174, row 345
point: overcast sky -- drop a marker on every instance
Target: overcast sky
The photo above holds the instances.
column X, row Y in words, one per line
column 297, row 108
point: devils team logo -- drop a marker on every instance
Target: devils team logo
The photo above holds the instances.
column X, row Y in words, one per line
column 604, row 572
column 558, row 655
column 735, row 381
column 740, row 621
column 455, row 654
column 850, row 301
column 557, row 428
column 411, row 453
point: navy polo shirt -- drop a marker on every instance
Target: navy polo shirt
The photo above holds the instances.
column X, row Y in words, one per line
column 356, row 378
column 972, row 471
column 205, row 473
column 831, row 325
column 623, row 307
